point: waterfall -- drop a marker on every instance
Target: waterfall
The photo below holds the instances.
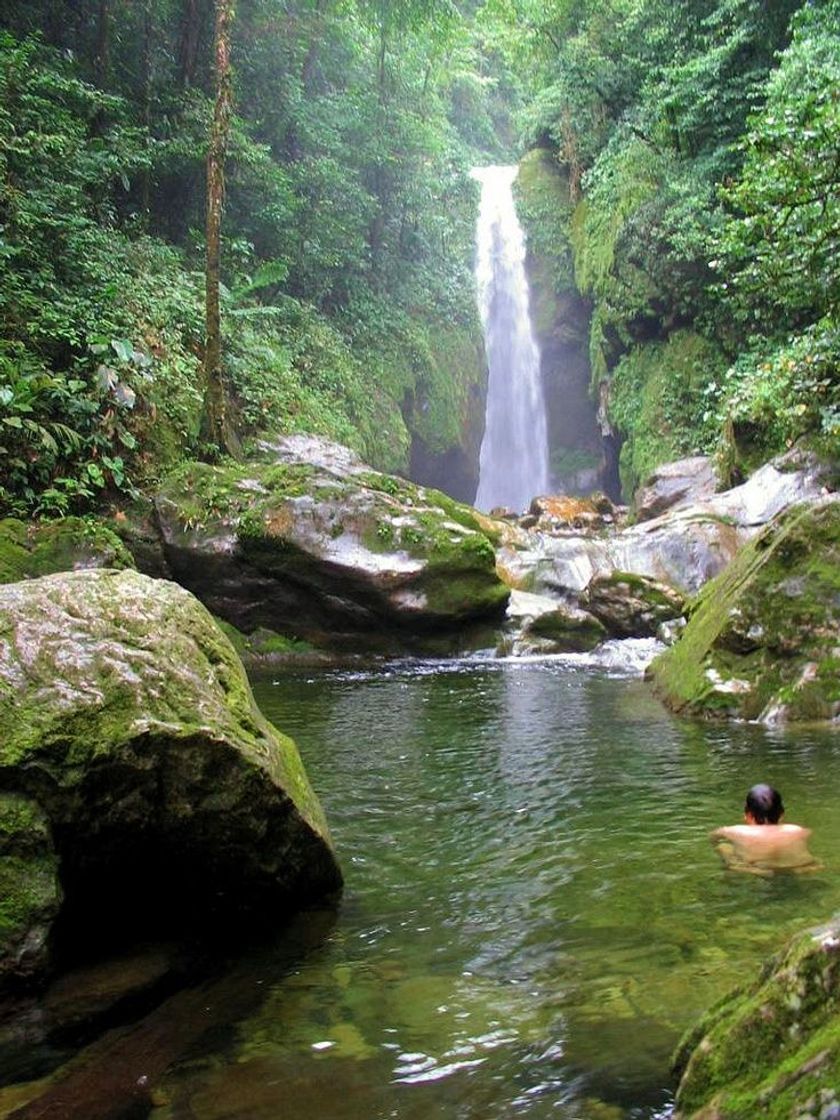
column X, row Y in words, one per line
column 513, row 466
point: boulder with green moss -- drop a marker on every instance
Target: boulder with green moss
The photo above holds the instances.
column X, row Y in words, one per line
column 308, row 541
column 772, row 1048
column 136, row 762
column 763, row 638
column 632, row 606
column 39, row 548
column 537, row 624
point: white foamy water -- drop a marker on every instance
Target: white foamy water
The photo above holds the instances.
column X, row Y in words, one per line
column 514, row 452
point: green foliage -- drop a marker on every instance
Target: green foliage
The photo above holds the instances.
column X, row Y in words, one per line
column 780, row 252
column 769, row 400
column 660, row 401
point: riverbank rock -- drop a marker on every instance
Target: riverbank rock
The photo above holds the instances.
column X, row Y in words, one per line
column 632, row 606
column 673, row 484
column 310, row 542
column 763, row 639
column 39, row 548
column 683, row 548
column 537, row 624
column 137, row 767
column 30, row 894
column 772, row 1048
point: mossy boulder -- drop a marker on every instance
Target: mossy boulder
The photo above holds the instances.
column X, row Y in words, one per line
column 632, row 606
column 772, row 1048
column 309, row 542
column 143, row 767
column 540, row 624
column 39, row 548
column 763, row 638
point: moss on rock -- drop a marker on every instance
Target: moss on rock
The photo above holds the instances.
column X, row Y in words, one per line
column 129, row 721
column 763, row 638
column 43, row 547
column 312, row 543
column 29, row 888
column 772, row 1048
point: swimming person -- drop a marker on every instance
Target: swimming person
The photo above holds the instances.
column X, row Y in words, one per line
column 762, row 845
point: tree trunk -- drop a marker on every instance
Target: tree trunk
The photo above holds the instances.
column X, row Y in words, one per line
column 215, row 399
column 146, row 65
column 102, row 50
column 188, row 42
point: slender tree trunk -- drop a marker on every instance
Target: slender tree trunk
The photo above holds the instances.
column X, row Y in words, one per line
column 102, row 51
column 188, row 42
column 215, row 399
column 148, row 31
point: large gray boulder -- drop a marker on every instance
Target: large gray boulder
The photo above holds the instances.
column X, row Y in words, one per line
column 673, row 484
column 138, row 770
column 309, row 541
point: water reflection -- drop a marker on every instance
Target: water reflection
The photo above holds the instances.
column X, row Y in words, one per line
column 532, row 914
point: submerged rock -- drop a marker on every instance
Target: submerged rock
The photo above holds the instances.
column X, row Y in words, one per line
column 139, row 767
column 772, row 1048
column 763, row 639
column 313, row 543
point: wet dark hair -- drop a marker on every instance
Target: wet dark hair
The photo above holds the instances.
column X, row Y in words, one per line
column 764, row 804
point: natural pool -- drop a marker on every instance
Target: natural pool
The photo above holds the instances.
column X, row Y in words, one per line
column 532, row 912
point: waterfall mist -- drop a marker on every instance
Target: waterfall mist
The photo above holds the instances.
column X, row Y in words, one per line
column 513, row 464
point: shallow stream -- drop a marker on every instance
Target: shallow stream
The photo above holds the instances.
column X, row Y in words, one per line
column 532, row 914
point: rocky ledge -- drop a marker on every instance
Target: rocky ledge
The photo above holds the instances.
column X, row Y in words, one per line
column 141, row 787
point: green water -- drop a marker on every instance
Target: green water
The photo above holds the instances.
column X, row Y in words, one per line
column 532, row 913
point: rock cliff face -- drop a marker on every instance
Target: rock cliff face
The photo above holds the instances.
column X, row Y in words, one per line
column 763, row 639
column 771, row 1049
column 311, row 542
column 142, row 787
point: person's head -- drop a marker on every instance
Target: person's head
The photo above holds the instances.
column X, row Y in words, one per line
column 764, row 805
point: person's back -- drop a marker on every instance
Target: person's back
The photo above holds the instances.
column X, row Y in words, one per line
column 762, row 844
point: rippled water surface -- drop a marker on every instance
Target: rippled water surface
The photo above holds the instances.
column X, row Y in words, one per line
column 532, row 912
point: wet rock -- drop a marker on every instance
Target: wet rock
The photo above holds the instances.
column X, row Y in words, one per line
column 632, row 606
column 311, row 542
column 763, row 639
column 146, row 772
column 683, row 548
column 39, row 548
column 772, row 1048
column 539, row 624
column 548, row 514
column 674, row 484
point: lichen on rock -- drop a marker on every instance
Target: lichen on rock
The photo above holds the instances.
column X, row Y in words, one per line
column 130, row 725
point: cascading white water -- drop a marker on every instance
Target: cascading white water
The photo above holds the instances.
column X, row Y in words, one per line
column 513, row 466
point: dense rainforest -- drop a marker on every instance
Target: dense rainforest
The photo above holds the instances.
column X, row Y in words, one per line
column 681, row 176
